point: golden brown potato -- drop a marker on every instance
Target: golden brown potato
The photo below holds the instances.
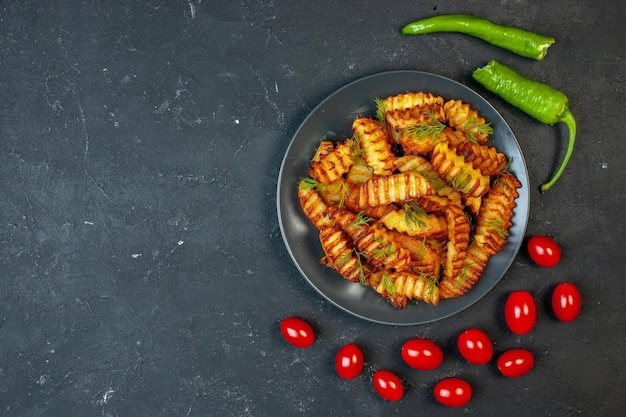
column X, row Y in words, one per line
column 313, row 206
column 332, row 161
column 374, row 145
column 396, row 188
column 409, row 100
column 458, row 173
column 341, row 255
column 462, row 117
column 400, row 287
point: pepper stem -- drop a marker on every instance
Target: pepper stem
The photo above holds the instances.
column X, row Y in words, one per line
column 570, row 121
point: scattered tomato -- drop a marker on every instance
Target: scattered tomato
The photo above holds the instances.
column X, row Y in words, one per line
column 453, row 392
column 544, row 251
column 515, row 363
column 297, row 332
column 475, row 346
column 520, row 312
column 349, row 361
column 566, row 302
column 388, row 385
column 421, row 354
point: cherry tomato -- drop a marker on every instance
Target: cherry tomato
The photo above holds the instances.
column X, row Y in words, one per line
column 297, row 332
column 388, row 385
column 515, row 363
column 520, row 312
column 475, row 346
column 544, row 251
column 422, row 354
column 453, row 392
column 349, row 361
column 566, row 302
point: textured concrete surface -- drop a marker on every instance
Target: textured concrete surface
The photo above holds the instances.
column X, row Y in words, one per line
column 143, row 269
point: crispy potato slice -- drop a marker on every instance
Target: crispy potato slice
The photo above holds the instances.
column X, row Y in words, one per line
column 484, row 158
column 496, row 213
column 359, row 173
column 409, row 100
column 396, row 188
column 416, row 222
column 313, row 206
column 422, row 166
column 400, row 287
column 341, row 256
column 374, row 145
column 382, row 251
column 473, row 267
column 420, row 122
column 332, row 161
column 462, row 116
column 373, row 241
column 458, row 240
column 458, row 173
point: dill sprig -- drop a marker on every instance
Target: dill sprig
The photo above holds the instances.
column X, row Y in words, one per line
column 363, row 270
column 498, row 227
column 380, row 109
column 461, row 182
column 425, row 130
column 358, row 152
column 431, row 284
column 413, row 215
column 385, row 249
column 461, row 278
column 472, row 126
column 388, row 284
column 342, row 189
column 309, row 183
column 360, row 220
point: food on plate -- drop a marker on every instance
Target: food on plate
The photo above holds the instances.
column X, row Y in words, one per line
column 566, row 302
column 536, row 99
column 522, row 42
column 520, row 312
column 415, row 202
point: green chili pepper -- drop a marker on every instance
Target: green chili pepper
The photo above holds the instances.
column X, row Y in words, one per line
column 538, row 100
column 522, row 42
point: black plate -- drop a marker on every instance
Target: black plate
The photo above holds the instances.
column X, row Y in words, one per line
column 332, row 120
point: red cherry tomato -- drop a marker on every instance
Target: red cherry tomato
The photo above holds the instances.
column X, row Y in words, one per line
column 520, row 312
column 349, row 361
column 475, row 346
column 544, row 251
column 388, row 385
column 421, row 354
column 566, row 302
column 515, row 363
column 453, row 392
column 297, row 332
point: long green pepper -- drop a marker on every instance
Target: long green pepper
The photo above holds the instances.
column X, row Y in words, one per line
column 537, row 99
column 519, row 41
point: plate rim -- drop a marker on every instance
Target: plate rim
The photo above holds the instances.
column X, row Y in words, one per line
column 523, row 220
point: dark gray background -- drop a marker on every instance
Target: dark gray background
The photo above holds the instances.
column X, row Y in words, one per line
column 143, row 270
